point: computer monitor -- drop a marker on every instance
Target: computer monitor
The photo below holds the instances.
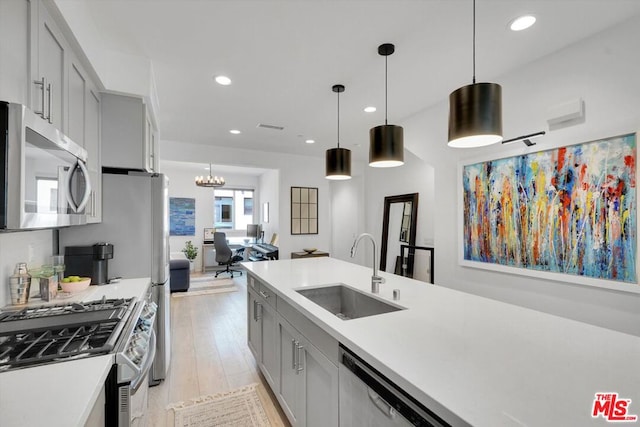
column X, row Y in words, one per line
column 253, row 230
column 208, row 235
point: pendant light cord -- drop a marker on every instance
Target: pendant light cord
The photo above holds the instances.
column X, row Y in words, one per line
column 474, row 41
column 385, row 90
column 338, row 119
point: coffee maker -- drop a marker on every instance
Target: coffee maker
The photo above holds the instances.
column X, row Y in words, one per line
column 89, row 261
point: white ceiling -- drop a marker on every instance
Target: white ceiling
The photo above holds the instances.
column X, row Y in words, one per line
column 284, row 56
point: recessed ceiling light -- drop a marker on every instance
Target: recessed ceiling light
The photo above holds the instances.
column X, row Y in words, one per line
column 223, row 80
column 369, row 109
column 310, row 141
column 234, row 131
column 522, row 22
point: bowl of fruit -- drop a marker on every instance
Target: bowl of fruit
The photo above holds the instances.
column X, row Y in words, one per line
column 74, row 284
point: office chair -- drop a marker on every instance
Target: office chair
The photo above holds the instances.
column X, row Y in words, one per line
column 224, row 255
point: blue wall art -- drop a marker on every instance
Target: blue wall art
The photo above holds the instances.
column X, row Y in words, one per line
column 182, row 216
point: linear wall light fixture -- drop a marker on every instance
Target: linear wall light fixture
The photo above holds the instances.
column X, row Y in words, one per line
column 386, row 146
column 338, row 160
column 475, row 110
column 525, row 138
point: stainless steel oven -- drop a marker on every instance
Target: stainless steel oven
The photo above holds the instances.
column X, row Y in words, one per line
column 44, row 181
column 33, row 336
column 127, row 385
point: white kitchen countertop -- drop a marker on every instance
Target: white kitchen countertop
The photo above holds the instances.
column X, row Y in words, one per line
column 62, row 394
column 490, row 363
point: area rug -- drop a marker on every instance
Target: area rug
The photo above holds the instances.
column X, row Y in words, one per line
column 240, row 407
column 207, row 286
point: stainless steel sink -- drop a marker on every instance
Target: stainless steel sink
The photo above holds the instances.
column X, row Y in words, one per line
column 346, row 302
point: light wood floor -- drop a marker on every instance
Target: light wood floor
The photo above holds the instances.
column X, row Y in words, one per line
column 209, row 353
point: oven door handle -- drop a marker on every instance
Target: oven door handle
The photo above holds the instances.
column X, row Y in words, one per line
column 146, row 366
column 76, row 207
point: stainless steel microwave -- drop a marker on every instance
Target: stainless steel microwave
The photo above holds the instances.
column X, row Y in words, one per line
column 45, row 182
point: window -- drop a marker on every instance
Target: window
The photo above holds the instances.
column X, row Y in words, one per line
column 233, row 209
column 47, row 195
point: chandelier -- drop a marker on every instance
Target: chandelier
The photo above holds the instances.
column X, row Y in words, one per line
column 209, row 181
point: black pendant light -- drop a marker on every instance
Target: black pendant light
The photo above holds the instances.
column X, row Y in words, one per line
column 386, row 146
column 475, row 110
column 338, row 160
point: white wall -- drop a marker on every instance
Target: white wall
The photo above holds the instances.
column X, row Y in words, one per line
column 294, row 170
column 181, row 184
column 269, row 190
column 603, row 71
column 348, row 213
column 33, row 247
column 415, row 176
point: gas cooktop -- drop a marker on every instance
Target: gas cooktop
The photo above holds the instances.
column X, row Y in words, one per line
column 37, row 335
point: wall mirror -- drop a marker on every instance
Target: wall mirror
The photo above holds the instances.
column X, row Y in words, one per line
column 398, row 228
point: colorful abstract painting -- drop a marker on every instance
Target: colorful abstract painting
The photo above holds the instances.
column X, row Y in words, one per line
column 569, row 210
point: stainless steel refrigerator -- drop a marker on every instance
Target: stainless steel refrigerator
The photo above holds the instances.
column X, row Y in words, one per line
column 135, row 219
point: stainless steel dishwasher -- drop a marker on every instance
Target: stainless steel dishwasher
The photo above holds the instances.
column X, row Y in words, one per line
column 368, row 399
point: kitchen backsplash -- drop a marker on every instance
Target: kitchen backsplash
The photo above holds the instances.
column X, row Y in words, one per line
column 33, row 247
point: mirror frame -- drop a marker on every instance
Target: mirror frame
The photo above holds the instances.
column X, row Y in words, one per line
column 402, row 198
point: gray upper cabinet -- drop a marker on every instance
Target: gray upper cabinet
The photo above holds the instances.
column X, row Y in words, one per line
column 15, row 40
column 128, row 134
column 92, row 130
column 49, row 71
column 54, row 78
column 77, row 105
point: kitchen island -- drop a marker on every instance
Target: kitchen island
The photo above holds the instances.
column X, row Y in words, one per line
column 62, row 394
column 487, row 362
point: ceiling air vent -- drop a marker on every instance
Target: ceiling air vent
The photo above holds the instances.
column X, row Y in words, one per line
column 274, row 127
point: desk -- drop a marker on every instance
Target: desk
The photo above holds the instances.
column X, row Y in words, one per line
column 303, row 254
column 208, row 256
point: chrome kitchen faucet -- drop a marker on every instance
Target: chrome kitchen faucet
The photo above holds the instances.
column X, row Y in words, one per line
column 375, row 279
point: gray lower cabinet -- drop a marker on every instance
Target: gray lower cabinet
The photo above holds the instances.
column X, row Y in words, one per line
column 308, row 380
column 262, row 332
column 303, row 378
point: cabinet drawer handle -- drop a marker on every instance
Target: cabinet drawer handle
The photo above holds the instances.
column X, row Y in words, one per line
column 264, row 294
column 300, row 365
column 42, row 84
column 293, row 355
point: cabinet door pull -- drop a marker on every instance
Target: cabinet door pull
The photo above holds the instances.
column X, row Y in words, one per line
column 264, row 294
column 255, row 319
column 42, row 84
column 300, row 365
column 49, row 89
column 260, row 310
column 293, row 355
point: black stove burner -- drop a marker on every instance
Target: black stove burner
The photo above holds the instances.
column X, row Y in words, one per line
column 38, row 347
column 69, row 314
column 43, row 334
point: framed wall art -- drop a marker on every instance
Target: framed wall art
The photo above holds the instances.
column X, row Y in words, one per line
column 567, row 214
column 304, row 210
column 182, row 216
